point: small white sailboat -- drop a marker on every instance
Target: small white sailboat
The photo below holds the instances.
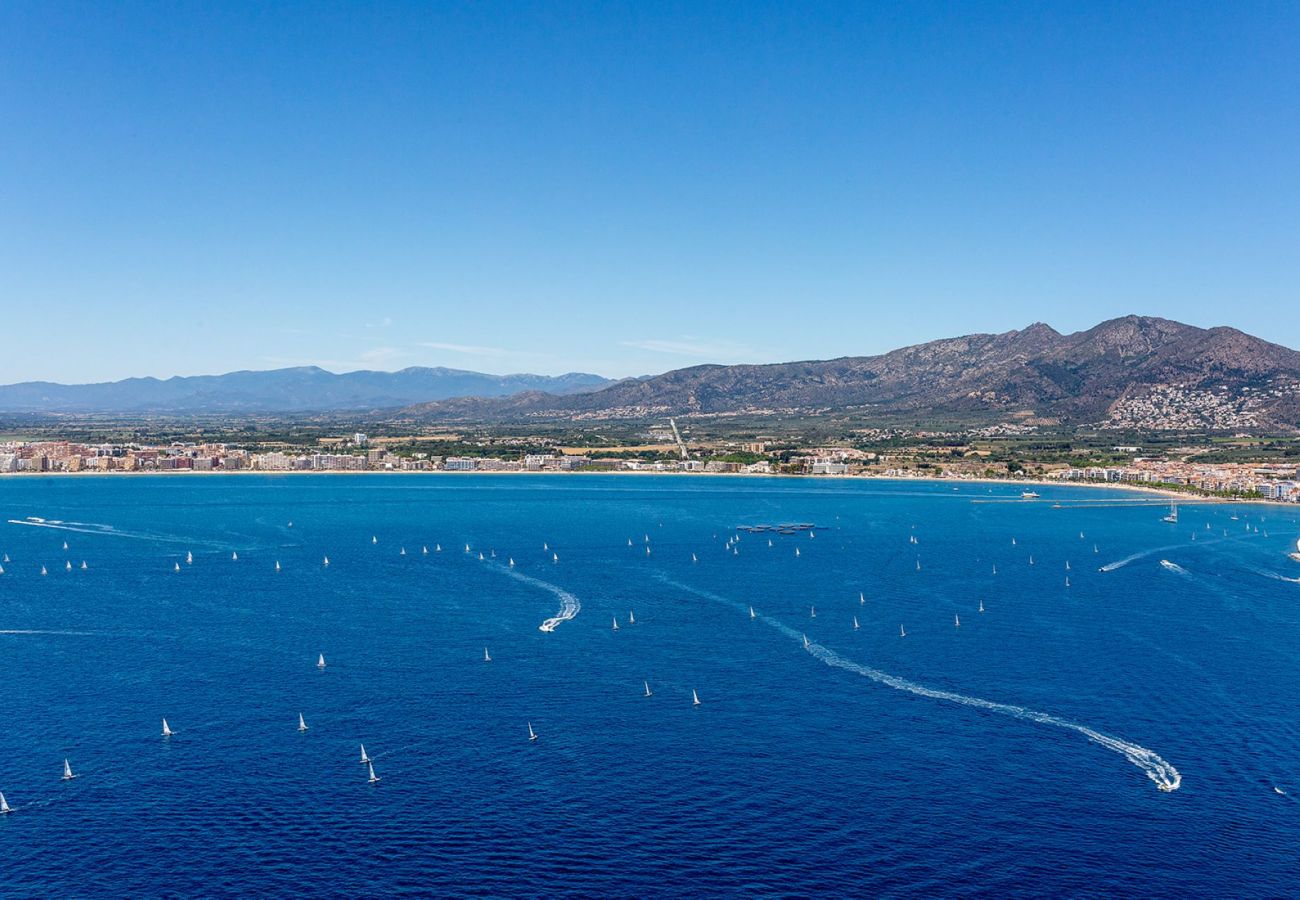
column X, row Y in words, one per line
column 487, row 657
column 862, row 599
column 631, row 617
column 189, row 558
column 981, row 606
column 424, row 551
column 918, row 565
column 374, row 539
column 67, row 566
column 176, row 567
column 1296, row 555
column 956, row 621
column 1172, row 518
column 302, row 723
column 84, row 567
column 326, row 562
column 166, row 729
column 695, row 698
column 512, row 562
column 1031, row 560
column 67, row 771
column 365, row 760
column 277, row 565
column 1067, row 565
column 5, row 809
column 2, row 570
column 402, row 552
column 532, row 735
column 545, row 546
column 855, row 623
column 6, row 559
column 320, row 661
column 480, row 555
column 629, row 542
column 751, row 613
column 372, row 778
column 995, row 568
column 234, row 557
column 648, row 692
column 1013, row 542
column 812, row 612
column 43, row 571
column 805, row 642
column 1067, row 580
column 65, row 545
column 555, row 557
column 437, row 548
column 1094, row 549
column 901, row 631
column 467, row 548
column 694, row 558
column 615, row 623
column 796, row 551
column 769, row 542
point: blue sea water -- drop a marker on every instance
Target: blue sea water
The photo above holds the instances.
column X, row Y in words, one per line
column 1018, row 754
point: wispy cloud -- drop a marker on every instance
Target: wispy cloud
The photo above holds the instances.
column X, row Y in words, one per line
column 696, row 347
column 466, row 349
column 385, row 322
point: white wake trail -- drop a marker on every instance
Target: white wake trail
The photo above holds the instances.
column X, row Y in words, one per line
column 1164, row 775
column 570, row 605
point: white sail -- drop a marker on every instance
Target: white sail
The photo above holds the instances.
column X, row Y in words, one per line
column 855, row 623
column 751, row 613
column 176, row 567
column 631, row 617
column 84, row 566
column 277, row 565
column 615, row 623
column 555, row 557
column 320, row 662
column 374, row 539
column 532, row 735
column 862, row 599
column 695, row 698
column 189, row 558
column 302, row 723
column 956, row 621
column 67, row 771
column 486, row 656
column 43, row 572
column 4, row 806
column 480, row 555
column 796, row 551
column 67, row 566
column 437, row 548
column 424, row 551
column 694, row 558
column 403, row 552
column 166, row 731
column 371, row 768
column 812, row 612
column 901, row 631
column 365, row 760
column 326, row 562
column 981, row 606
column 65, row 545
column 805, row 642
column 647, row 688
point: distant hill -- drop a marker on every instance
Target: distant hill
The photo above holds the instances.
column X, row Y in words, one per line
column 1135, row 371
column 297, row 390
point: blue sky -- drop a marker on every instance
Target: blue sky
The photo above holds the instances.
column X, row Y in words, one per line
column 629, row 188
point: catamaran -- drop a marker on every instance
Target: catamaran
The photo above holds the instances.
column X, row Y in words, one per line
column 166, row 731
column 532, row 735
column 67, row 771
column 302, row 723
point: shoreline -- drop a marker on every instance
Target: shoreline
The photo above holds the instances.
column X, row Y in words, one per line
column 1152, row 492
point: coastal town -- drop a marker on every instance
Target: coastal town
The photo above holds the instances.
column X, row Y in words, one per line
column 1247, row 480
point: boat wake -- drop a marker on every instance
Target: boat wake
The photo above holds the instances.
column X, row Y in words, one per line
column 1276, row 576
column 570, row 605
column 105, row 531
column 43, row 631
column 1165, row 776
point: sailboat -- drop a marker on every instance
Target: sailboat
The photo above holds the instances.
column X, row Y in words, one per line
column 532, row 735
column 487, row 657
column 1067, row 565
column 995, row 568
column 373, row 778
column 1067, row 580
column 956, row 621
column 4, row 806
column 480, row 555
column 855, row 623
column 402, row 552
column 1172, row 518
column 320, row 661
column 796, row 551
column 67, row 771
column 545, row 546
column 437, row 548
column 615, row 623
column 862, row 599
column 2, row 570
column 302, row 723
column 1296, row 554
column 84, row 567
column 648, row 692
column 234, row 557
column 327, row 562
column 65, row 545
column 467, row 548
column 43, row 572
column 1013, row 542
column 694, row 558
column 805, row 642
column 695, row 698
column 365, row 760
column 512, row 562
column 901, row 632
column 631, row 618
column 277, row 565
column 751, row 613
column 424, row 551
column 374, row 539
column 1031, row 560
column 918, row 565
column 555, row 557
column 812, row 612
column 176, row 567
column 67, row 566
column 166, row 731
column 769, row 542
column 981, row 606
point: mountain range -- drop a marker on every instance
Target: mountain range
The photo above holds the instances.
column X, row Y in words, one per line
column 1139, row 372
column 296, row 390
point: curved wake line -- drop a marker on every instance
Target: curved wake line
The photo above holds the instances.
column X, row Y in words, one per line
column 45, row 631
column 1276, row 576
column 109, row 531
column 1164, row 775
column 570, row 605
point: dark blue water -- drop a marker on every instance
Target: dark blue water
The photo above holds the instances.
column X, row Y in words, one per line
column 868, row 763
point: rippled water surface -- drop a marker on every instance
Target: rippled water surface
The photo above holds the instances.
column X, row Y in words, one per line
column 1023, row 751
